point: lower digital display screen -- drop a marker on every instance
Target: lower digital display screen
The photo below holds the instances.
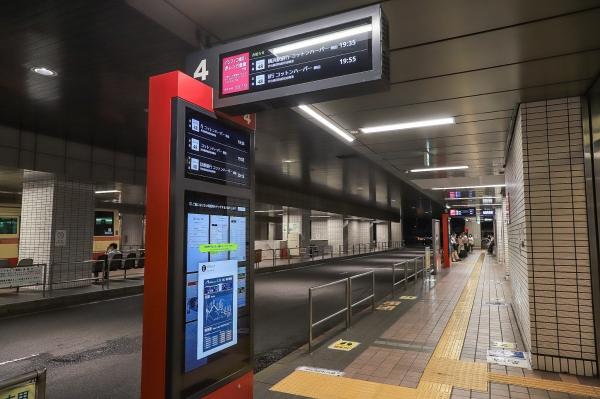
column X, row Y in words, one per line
column 336, row 51
column 216, row 305
column 488, row 212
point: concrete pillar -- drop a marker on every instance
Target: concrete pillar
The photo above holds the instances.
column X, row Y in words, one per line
column 54, row 204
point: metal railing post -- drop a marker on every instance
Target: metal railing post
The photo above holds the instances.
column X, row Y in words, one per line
column 373, row 292
column 349, row 302
column 393, row 279
column 44, row 281
column 405, row 276
column 310, row 321
column 274, row 256
column 424, row 272
column 51, row 278
column 107, row 265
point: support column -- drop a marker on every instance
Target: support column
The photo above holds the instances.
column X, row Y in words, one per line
column 54, row 203
column 549, row 250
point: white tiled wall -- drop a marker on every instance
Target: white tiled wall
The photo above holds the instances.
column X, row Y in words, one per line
column 548, row 237
column 318, row 229
column 358, row 232
column 335, row 230
column 132, row 227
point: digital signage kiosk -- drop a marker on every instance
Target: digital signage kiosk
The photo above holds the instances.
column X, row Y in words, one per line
column 198, row 302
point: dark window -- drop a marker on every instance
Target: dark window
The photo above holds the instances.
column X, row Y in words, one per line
column 8, row 225
column 104, row 224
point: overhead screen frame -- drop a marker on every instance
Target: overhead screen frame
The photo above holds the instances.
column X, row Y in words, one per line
column 344, row 86
column 178, row 382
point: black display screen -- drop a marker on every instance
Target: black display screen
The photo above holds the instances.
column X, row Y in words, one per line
column 217, row 316
column 215, row 152
column 463, row 212
column 336, row 51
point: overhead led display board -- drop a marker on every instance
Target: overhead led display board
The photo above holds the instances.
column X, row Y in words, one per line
column 336, row 57
column 488, row 212
column 463, row 212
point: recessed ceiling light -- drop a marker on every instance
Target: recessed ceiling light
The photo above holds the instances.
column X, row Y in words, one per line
column 325, row 122
column 44, row 71
column 107, row 191
column 409, row 125
column 393, row 200
column 359, row 188
column 466, row 187
column 441, row 168
column 288, row 161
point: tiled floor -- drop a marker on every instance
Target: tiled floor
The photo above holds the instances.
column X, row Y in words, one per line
column 397, row 346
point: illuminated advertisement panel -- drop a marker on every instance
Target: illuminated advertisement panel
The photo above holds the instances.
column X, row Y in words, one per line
column 216, row 322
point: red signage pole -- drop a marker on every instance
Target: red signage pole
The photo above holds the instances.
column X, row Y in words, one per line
column 163, row 88
column 446, row 244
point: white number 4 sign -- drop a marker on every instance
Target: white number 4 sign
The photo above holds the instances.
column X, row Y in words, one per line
column 201, row 71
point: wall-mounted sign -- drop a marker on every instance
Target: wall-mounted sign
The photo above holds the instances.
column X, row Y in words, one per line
column 60, row 238
column 336, row 57
column 488, row 212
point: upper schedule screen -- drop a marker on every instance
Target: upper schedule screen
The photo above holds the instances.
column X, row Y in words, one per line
column 337, row 51
column 215, row 152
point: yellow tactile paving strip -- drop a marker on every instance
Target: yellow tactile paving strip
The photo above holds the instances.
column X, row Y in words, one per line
column 556, row 386
column 443, row 372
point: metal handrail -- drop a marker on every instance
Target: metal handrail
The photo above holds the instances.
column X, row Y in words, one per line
column 38, row 376
column 406, row 276
column 371, row 297
column 51, row 281
column 310, row 310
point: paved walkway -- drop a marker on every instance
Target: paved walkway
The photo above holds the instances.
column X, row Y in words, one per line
column 433, row 346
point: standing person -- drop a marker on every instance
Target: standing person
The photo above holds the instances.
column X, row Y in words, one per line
column 491, row 244
column 462, row 242
column 471, row 243
column 454, row 249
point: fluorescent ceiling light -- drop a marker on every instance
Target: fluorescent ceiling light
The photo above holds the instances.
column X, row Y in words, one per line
column 321, row 39
column 107, row 191
column 317, row 216
column 288, row 161
column 273, row 210
column 44, row 71
column 325, row 122
column 464, row 188
column 444, row 168
column 409, row 125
